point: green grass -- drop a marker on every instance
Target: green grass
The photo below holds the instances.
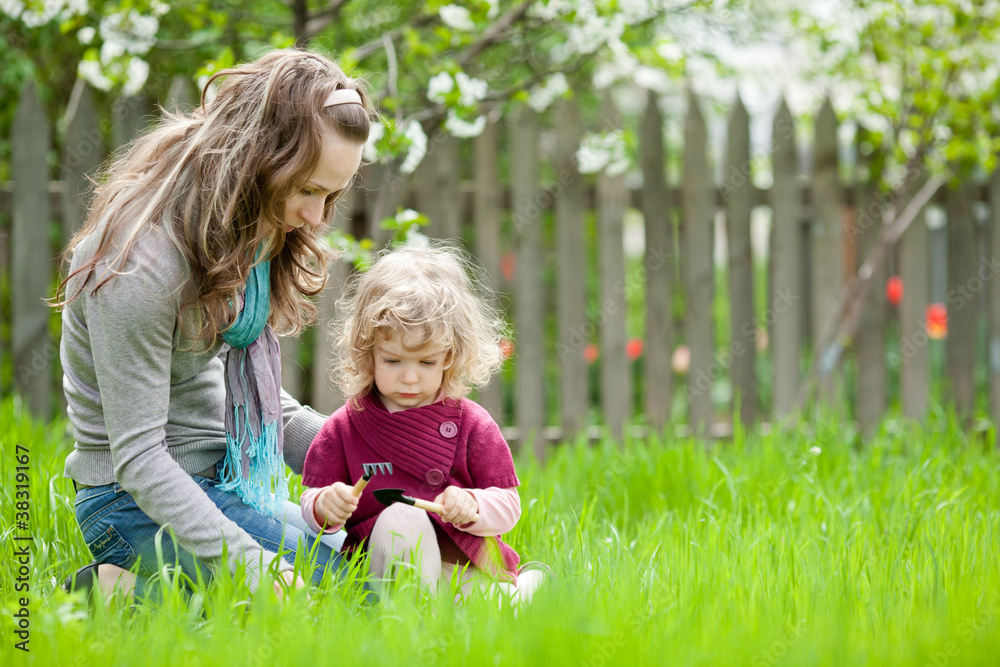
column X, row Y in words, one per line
column 760, row 551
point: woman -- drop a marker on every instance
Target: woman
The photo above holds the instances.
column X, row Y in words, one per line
column 203, row 241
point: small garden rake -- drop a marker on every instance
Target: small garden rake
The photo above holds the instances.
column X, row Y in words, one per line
column 369, row 470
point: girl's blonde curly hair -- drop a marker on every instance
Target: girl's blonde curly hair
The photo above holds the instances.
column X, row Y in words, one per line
column 431, row 293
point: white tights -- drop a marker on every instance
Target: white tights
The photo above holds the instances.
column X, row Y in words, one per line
column 403, row 533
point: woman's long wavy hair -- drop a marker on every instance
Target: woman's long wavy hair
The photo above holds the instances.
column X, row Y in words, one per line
column 217, row 180
column 427, row 294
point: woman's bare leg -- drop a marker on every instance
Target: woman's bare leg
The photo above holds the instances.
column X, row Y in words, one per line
column 112, row 578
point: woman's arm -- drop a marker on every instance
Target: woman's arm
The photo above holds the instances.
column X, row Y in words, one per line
column 301, row 424
column 132, row 322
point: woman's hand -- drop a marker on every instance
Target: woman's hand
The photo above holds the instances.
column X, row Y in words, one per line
column 288, row 580
column 460, row 506
column 336, row 504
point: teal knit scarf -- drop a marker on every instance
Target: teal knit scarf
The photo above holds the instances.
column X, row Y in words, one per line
column 254, row 466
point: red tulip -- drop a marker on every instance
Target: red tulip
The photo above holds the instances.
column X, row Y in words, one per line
column 633, row 348
column 590, row 352
column 506, row 348
column 936, row 320
column 894, row 290
column 508, row 265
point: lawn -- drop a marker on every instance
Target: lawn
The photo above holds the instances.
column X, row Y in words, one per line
column 808, row 547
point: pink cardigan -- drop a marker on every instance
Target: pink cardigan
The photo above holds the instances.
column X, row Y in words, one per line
column 431, row 447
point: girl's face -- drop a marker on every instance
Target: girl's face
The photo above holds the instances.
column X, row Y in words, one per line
column 408, row 378
column 338, row 161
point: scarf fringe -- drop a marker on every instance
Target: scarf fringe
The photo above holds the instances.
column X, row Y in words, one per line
column 267, row 466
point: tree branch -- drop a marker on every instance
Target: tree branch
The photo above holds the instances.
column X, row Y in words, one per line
column 844, row 323
column 373, row 46
column 319, row 21
column 493, row 34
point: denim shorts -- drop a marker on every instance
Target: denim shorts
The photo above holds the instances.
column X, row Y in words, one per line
column 120, row 533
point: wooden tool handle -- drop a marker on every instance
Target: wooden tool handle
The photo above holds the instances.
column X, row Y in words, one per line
column 437, row 508
column 359, row 487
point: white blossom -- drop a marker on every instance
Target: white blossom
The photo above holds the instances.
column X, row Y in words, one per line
column 542, row 96
column 111, row 50
column 418, row 147
column 590, row 31
column 86, row 34
column 670, row 50
column 212, row 90
column 128, row 32
column 159, row 8
column 494, row 9
column 439, row 86
column 375, row 134
column 416, row 239
column 622, row 65
column 48, row 10
column 636, row 11
column 406, row 215
column 815, row 451
column 12, row 8
column 136, row 73
column 653, row 79
column 552, row 9
column 76, row 8
column 463, row 129
column 603, row 152
column 470, row 89
column 457, row 17
column 91, row 72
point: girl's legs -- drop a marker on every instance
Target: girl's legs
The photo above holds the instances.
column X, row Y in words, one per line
column 119, row 534
column 405, row 533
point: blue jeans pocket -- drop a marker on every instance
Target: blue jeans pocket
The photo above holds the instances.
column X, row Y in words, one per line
column 108, row 546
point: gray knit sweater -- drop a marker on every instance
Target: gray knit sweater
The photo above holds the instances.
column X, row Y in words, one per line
column 144, row 412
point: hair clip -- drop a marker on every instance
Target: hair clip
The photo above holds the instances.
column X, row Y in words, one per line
column 343, row 96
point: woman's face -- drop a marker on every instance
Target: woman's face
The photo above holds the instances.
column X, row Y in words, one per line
column 338, row 161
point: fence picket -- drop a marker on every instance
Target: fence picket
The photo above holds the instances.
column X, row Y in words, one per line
column 738, row 192
column 793, row 311
column 826, row 251
column 181, row 97
column 326, row 395
column 993, row 298
column 83, row 151
column 33, row 352
column 529, row 291
column 786, row 289
column 963, row 308
column 488, row 209
column 871, row 392
column 129, row 117
column 659, row 263
column 698, row 266
column 616, row 372
column 574, row 331
column 914, row 258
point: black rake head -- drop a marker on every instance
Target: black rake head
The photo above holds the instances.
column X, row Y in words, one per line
column 370, row 469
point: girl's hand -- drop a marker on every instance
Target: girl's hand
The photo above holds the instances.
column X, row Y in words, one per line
column 336, row 504
column 460, row 506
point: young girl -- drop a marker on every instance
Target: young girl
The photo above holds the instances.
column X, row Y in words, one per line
column 172, row 385
column 416, row 336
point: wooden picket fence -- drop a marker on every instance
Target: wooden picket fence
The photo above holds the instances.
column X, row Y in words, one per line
column 530, row 237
